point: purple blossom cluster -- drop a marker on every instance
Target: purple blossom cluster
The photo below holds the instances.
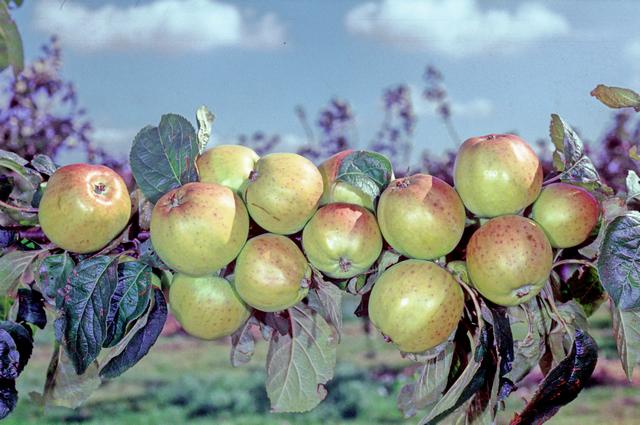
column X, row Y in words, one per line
column 40, row 114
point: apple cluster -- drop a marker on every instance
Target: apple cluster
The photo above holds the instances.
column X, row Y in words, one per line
column 278, row 217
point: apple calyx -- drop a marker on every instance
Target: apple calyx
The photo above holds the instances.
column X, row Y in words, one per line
column 253, row 175
column 345, row 264
column 99, row 188
column 402, row 184
column 305, row 283
column 175, row 200
column 523, row 291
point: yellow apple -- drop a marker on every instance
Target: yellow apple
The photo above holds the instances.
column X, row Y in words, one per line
column 228, row 165
column 421, row 216
column 416, row 304
column 342, row 240
column 271, row 273
column 84, row 207
column 497, row 174
column 207, row 307
column 199, row 228
column 283, row 192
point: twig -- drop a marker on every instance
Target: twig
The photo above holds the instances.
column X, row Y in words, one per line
column 574, row 261
column 16, row 208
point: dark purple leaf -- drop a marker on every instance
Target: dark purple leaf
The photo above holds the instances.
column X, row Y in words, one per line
column 8, row 397
column 129, row 300
column 31, row 308
column 9, row 356
column 243, row 343
column 142, row 341
column 22, row 339
column 563, row 384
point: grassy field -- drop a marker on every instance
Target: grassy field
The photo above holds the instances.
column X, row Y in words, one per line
column 184, row 380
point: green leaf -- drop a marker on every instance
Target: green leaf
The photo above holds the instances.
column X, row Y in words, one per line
column 11, row 50
column 43, row 164
column 163, row 158
column 633, row 186
column 326, row 299
column 64, row 386
column 577, row 168
column 205, row 119
column 367, row 171
column 53, row 275
column 12, row 266
column 626, row 330
column 429, row 385
column 300, row 362
column 619, row 261
column 617, row 97
column 141, row 339
column 129, row 300
column 85, row 308
column 611, row 208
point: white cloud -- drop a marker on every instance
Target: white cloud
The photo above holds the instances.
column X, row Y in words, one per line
column 454, row 27
column 115, row 140
column 161, row 25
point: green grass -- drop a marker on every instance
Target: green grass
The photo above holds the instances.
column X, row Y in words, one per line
column 184, row 380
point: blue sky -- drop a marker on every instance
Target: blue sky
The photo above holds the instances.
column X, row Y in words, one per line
column 508, row 64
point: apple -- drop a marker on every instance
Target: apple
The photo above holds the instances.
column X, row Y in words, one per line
column 497, row 174
column 342, row 240
column 199, row 228
column 207, row 307
column 421, row 216
column 272, row 273
column 283, row 192
column 83, row 207
column 416, row 304
column 340, row 191
column 567, row 214
column 228, row 165
column 509, row 259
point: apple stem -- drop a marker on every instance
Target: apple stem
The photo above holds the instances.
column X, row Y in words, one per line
column 572, row 261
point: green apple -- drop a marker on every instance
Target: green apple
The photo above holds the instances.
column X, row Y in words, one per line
column 497, row 174
column 207, row 307
column 199, row 228
column 342, row 240
column 567, row 213
column 509, row 259
column 421, row 216
column 84, row 207
column 416, row 304
column 283, row 192
column 272, row 273
column 337, row 191
column 228, row 165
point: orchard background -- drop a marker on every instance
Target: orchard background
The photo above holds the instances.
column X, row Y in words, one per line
column 186, row 380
